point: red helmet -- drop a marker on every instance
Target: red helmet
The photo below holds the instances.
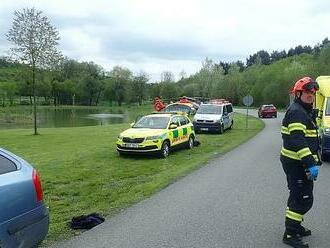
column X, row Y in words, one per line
column 305, row 84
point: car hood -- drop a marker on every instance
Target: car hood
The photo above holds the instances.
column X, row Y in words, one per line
column 210, row 117
column 141, row 132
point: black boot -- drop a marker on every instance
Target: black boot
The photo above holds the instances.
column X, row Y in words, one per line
column 305, row 232
column 294, row 240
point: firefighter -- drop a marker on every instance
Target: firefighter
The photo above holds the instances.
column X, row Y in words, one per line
column 299, row 158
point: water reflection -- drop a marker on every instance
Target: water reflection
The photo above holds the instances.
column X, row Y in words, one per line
column 108, row 118
column 66, row 117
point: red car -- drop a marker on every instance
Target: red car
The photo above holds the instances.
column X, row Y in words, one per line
column 268, row 110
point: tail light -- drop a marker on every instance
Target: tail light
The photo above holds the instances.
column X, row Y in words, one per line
column 37, row 185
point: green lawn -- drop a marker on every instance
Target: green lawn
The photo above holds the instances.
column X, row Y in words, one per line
column 81, row 171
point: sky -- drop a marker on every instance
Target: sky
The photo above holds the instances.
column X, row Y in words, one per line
column 154, row 36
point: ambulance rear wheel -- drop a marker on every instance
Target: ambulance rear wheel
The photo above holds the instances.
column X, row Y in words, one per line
column 190, row 143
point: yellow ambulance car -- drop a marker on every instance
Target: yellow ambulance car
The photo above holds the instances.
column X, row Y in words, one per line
column 157, row 134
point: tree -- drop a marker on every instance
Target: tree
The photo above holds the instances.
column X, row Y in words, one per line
column 120, row 78
column 91, row 84
column 182, row 75
column 139, row 85
column 91, row 89
column 35, row 41
column 8, row 90
column 167, row 77
column 225, row 66
column 210, row 77
column 261, row 57
column 275, row 55
column 241, row 65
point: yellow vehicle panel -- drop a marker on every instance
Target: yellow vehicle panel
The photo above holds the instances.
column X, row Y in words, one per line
column 149, row 133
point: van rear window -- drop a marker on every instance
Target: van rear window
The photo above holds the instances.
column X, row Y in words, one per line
column 6, row 165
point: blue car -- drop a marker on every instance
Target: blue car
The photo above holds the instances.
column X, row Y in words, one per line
column 24, row 218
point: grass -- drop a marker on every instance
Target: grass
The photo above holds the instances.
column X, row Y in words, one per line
column 81, row 171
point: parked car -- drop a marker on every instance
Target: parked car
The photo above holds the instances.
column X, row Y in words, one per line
column 267, row 110
column 24, row 218
column 157, row 134
column 187, row 108
column 214, row 117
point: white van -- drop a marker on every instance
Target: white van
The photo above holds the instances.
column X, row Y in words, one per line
column 214, row 117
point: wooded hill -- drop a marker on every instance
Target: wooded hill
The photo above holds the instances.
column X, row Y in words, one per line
column 267, row 77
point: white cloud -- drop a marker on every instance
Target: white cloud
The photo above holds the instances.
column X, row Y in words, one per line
column 79, row 44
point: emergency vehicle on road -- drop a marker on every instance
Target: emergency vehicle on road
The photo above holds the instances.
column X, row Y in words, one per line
column 157, row 134
column 215, row 116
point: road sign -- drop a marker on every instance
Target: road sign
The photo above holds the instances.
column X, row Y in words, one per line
column 248, row 100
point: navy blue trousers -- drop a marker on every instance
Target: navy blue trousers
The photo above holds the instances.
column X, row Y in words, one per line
column 300, row 199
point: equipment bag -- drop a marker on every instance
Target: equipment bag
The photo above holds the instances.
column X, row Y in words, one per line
column 86, row 221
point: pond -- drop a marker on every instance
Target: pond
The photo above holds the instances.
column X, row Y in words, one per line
column 61, row 117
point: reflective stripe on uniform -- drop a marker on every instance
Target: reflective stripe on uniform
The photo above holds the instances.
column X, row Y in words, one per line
column 295, row 155
column 293, row 215
column 312, row 133
column 296, row 126
column 304, row 152
column 289, row 154
column 285, row 130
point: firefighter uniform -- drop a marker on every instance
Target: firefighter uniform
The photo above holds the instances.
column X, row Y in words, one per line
column 300, row 149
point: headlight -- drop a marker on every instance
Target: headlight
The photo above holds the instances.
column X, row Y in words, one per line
column 155, row 137
column 218, row 121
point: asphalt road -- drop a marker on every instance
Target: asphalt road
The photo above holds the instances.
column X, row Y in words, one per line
column 236, row 200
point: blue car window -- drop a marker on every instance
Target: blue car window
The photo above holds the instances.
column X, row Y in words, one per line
column 6, row 165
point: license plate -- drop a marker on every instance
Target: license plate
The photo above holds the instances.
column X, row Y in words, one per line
column 131, row 145
column 204, row 129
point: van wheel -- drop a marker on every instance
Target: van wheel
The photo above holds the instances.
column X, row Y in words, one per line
column 190, row 143
column 231, row 125
column 221, row 129
column 165, row 150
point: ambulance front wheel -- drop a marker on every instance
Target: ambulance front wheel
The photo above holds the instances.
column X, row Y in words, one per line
column 165, row 150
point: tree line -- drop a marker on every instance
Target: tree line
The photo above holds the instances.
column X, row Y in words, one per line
column 86, row 83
